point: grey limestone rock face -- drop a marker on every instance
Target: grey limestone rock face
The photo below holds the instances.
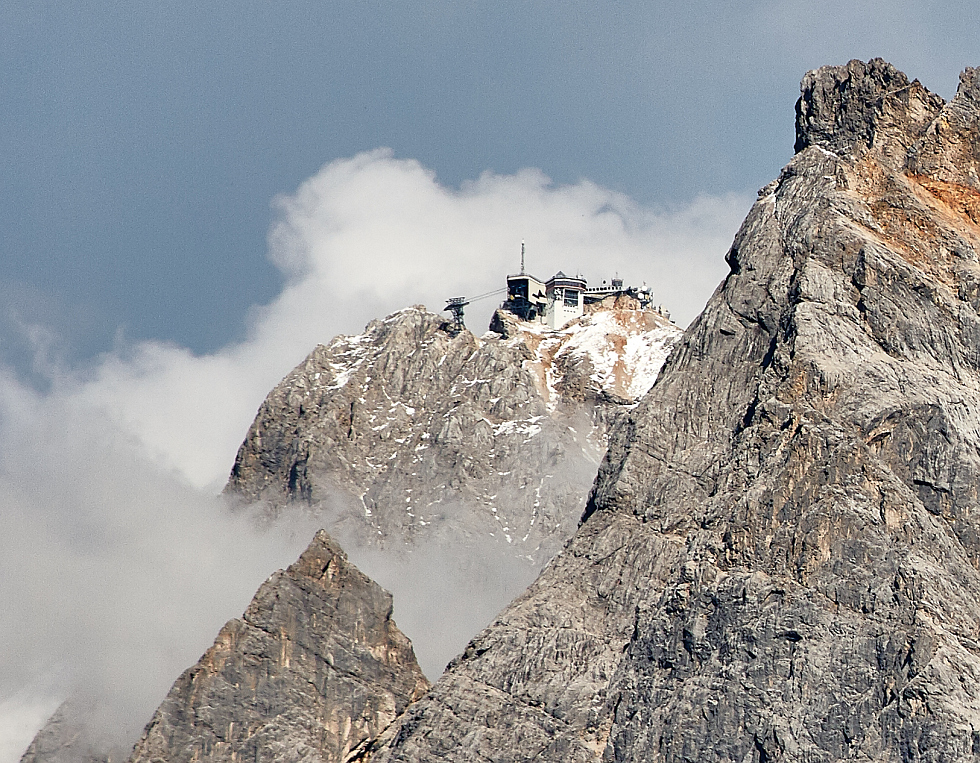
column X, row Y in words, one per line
column 412, row 431
column 313, row 671
column 950, row 149
column 779, row 558
column 850, row 108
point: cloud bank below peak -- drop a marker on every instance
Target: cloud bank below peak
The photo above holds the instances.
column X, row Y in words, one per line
column 371, row 234
column 118, row 564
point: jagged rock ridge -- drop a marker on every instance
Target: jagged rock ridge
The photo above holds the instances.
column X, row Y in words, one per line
column 413, row 431
column 779, row 560
column 313, row 671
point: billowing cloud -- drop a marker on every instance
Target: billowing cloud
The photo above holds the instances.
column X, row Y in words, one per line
column 115, row 573
column 371, row 234
column 117, row 562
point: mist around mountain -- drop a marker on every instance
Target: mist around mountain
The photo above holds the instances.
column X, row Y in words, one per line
column 112, row 466
column 778, row 557
column 347, row 429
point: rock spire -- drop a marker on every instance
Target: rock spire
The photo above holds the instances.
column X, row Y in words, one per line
column 313, row 671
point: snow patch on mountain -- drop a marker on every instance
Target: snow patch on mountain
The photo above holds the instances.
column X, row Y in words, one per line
column 623, row 351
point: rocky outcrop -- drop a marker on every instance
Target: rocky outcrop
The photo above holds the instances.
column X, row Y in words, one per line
column 416, row 431
column 313, row 671
column 67, row 738
column 779, row 559
column 863, row 106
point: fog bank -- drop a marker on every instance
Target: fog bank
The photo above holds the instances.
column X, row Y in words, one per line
column 118, row 563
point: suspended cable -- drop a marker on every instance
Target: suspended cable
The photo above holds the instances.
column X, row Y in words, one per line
column 488, row 294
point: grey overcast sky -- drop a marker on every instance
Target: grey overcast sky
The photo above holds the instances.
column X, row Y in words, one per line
column 142, row 143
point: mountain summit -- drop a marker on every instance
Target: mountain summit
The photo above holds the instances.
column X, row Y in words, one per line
column 459, row 464
column 415, row 431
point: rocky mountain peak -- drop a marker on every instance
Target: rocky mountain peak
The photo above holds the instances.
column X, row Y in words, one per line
column 313, row 671
column 873, row 106
column 67, row 738
column 949, row 151
column 780, row 555
column 413, row 430
column 968, row 92
column 861, row 105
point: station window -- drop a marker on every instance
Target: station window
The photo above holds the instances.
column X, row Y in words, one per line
column 571, row 298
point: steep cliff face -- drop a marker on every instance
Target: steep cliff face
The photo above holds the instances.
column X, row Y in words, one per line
column 412, row 431
column 779, row 559
column 313, row 671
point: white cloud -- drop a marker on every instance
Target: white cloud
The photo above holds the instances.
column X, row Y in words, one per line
column 114, row 573
column 117, row 564
column 368, row 235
